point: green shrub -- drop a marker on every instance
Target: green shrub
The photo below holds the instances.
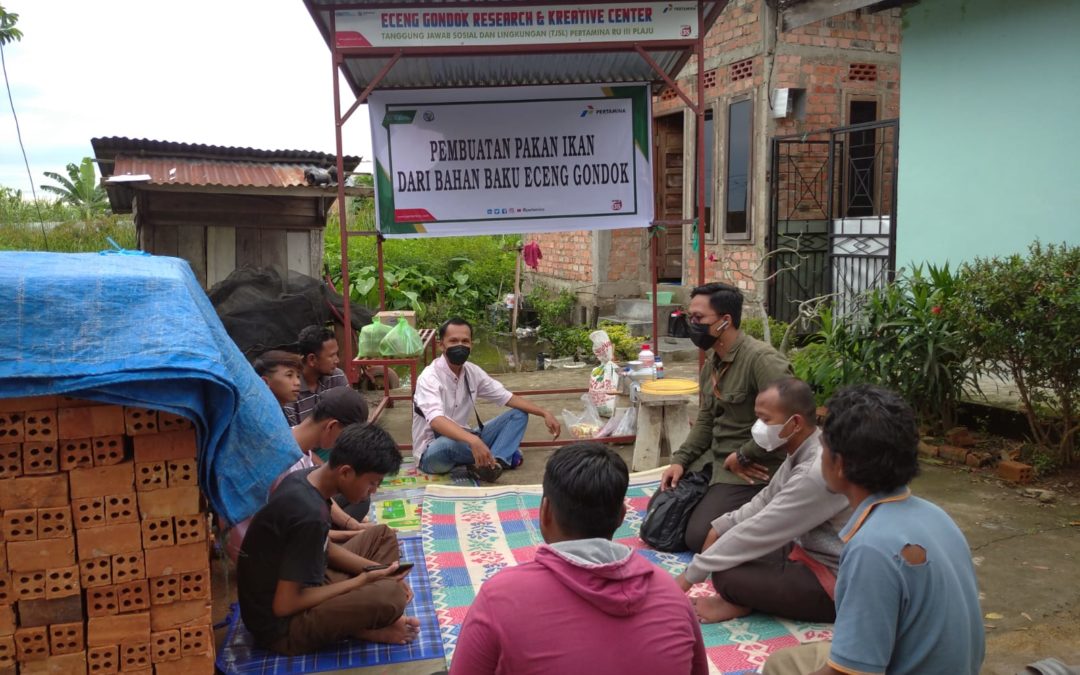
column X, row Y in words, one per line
column 626, row 345
column 755, row 327
column 69, row 237
column 1021, row 316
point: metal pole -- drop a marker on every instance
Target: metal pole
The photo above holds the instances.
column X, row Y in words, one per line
column 699, row 156
column 379, row 271
column 346, row 284
column 654, row 261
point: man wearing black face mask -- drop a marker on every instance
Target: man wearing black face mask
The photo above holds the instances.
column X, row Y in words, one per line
column 737, row 367
column 444, row 405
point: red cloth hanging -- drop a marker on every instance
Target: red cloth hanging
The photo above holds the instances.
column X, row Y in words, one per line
column 532, row 255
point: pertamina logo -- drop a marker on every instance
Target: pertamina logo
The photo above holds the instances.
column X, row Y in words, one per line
column 592, row 110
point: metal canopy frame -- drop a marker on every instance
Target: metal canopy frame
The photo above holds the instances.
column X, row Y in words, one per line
column 324, row 14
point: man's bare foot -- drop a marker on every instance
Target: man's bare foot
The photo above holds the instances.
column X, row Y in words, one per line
column 401, row 632
column 715, row 609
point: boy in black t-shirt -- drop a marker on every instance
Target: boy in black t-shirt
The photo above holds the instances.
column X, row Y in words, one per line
column 298, row 590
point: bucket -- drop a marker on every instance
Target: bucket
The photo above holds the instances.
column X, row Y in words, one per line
column 662, row 297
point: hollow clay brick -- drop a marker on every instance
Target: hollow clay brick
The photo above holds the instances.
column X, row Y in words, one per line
column 165, row 646
column 150, row 476
column 201, row 664
column 106, row 420
column 40, row 458
column 76, row 453
column 49, row 612
column 88, row 512
column 180, row 615
column 40, row 425
column 20, row 524
column 10, row 460
column 139, row 421
column 157, row 533
column 121, row 509
column 102, row 480
column 35, row 492
column 195, row 585
column 162, row 447
column 7, row 591
column 62, row 664
column 171, row 422
column 182, row 472
column 102, row 601
column 161, row 562
column 128, row 567
column 11, row 427
column 54, row 523
column 28, row 585
column 109, row 540
column 103, row 660
column 108, row 450
column 133, row 596
column 134, row 656
column 190, row 529
column 31, row 644
column 62, row 582
column 169, row 502
column 25, row 556
column 66, row 638
column 73, row 402
column 196, row 640
column 7, row 653
column 95, row 572
column 164, row 590
column 1017, row 472
column 7, row 619
column 112, row 630
column 28, row 403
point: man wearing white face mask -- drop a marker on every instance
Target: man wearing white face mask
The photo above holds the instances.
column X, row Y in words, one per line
column 779, row 553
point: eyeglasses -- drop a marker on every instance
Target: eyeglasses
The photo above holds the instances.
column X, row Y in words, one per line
column 702, row 318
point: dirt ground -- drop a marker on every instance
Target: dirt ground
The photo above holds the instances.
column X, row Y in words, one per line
column 1027, row 553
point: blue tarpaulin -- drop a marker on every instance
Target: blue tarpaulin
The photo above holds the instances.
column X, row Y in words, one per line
column 139, row 330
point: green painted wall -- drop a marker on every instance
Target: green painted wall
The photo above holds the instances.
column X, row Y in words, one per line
column 989, row 128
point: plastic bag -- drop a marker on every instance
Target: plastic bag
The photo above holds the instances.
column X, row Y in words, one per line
column 604, row 381
column 402, row 340
column 627, row 426
column 584, row 425
column 371, row 336
column 612, row 423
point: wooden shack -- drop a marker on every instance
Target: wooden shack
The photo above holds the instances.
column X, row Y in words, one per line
column 221, row 208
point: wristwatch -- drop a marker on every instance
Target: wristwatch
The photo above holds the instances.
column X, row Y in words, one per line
column 742, row 459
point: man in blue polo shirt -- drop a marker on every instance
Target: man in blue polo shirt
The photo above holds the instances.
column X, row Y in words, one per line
column 906, row 598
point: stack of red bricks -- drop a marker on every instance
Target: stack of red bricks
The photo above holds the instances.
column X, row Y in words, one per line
column 104, row 546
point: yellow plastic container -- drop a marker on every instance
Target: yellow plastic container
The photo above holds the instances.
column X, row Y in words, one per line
column 670, row 385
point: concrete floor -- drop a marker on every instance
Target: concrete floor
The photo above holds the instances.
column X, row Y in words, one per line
column 1027, row 554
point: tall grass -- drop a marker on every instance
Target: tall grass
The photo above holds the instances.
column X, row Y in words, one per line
column 68, row 237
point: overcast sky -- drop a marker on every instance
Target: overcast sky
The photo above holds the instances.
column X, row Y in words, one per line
column 252, row 73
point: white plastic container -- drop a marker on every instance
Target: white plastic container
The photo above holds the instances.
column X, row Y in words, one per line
column 646, row 356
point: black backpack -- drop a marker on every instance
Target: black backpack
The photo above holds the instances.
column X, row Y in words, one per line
column 664, row 527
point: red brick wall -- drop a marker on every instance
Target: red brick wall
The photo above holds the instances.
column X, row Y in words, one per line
column 567, row 255
column 628, row 258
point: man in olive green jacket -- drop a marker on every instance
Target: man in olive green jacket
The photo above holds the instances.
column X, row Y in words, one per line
column 737, row 367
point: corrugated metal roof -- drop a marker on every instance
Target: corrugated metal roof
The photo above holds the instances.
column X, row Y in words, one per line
column 450, row 70
column 173, row 171
column 108, row 147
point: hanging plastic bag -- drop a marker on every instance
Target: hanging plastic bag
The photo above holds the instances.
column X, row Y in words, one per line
column 371, row 336
column 612, row 423
column 627, row 426
column 604, row 380
column 402, row 340
column 583, row 425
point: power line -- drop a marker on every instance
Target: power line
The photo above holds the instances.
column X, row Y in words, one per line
column 18, row 133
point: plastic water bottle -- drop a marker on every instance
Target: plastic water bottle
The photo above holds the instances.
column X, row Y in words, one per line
column 646, row 356
column 659, row 367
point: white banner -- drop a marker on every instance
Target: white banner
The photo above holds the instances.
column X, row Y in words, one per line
column 521, row 159
column 551, row 24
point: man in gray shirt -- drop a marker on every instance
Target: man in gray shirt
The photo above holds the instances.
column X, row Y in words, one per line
column 779, row 553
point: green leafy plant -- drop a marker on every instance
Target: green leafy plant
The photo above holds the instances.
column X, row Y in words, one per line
column 79, row 188
column 626, row 345
column 1022, row 317
column 754, row 327
column 71, row 236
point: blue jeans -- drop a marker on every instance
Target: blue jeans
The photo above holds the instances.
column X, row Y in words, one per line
column 502, row 435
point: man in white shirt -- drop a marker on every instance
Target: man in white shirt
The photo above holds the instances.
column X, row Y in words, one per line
column 779, row 553
column 444, row 408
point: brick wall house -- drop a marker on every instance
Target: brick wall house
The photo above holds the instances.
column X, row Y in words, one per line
column 838, row 71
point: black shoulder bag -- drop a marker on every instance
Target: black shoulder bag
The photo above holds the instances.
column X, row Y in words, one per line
column 664, row 527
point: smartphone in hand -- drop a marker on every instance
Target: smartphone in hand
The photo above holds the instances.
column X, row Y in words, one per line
column 403, row 568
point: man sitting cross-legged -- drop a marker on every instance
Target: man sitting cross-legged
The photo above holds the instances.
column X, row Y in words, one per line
column 585, row 604
column 779, row 553
column 298, row 590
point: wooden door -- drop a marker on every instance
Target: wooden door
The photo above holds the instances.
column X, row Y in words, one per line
column 669, row 194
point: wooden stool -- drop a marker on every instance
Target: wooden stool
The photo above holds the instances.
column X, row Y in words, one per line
column 660, row 416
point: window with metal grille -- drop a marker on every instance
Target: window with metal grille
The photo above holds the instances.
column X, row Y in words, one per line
column 862, row 72
column 740, row 70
